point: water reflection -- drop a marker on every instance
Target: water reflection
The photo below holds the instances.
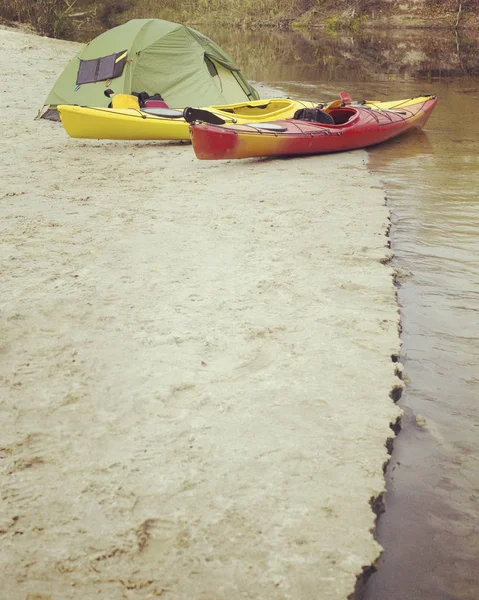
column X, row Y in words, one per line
column 277, row 57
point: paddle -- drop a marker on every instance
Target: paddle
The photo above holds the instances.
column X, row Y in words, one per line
column 333, row 104
column 191, row 115
column 344, row 99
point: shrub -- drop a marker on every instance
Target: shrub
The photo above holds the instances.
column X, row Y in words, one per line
column 49, row 17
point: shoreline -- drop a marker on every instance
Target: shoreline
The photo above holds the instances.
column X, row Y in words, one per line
column 197, row 376
column 373, row 24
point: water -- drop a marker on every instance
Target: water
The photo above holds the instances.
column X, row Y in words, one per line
column 430, row 527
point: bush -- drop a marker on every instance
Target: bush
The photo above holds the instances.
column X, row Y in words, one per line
column 49, row 17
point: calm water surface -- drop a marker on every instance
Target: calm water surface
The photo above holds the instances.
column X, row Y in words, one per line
column 430, row 530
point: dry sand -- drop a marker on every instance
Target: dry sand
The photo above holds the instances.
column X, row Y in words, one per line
column 195, row 363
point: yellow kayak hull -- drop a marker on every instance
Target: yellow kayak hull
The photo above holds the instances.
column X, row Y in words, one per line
column 133, row 124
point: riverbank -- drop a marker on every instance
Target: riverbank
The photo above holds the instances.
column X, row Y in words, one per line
column 83, row 20
column 196, row 363
column 328, row 16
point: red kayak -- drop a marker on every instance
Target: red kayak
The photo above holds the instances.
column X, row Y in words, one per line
column 348, row 126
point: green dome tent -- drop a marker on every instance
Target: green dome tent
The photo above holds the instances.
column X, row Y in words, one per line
column 153, row 56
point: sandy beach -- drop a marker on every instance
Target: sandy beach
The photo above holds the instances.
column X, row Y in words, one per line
column 195, row 363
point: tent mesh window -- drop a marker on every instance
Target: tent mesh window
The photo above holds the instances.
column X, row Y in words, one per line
column 101, row 69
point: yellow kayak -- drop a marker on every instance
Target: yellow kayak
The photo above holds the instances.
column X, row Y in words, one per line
column 165, row 124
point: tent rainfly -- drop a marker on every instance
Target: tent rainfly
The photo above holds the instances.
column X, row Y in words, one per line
column 153, row 56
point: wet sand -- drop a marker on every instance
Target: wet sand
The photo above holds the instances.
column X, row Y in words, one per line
column 195, row 363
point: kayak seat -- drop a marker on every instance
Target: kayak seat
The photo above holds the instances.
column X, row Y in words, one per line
column 313, row 115
column 156, row 104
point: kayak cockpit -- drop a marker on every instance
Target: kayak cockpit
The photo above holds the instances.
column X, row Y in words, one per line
column 257, row 108
column 342, row 115
column 326, row 117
